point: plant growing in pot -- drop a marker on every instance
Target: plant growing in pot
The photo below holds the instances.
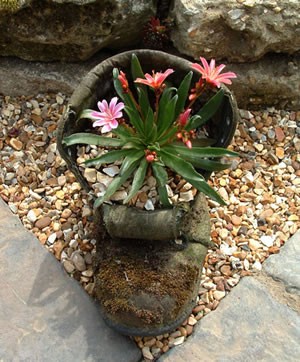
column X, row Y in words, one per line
column 165, row 126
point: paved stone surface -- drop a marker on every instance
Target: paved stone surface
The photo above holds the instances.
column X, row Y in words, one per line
column 44, row 314
column 257, row 321
column 285, row 266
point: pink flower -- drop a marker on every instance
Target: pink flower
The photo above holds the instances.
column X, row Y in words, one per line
column 107, row 117
column 156, row 80
column 183, row 117
column 211, row 73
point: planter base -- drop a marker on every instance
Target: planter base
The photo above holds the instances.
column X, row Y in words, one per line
column 150, row 287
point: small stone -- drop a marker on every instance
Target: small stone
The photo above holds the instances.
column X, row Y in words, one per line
column 293, row 218
column 259, row 147
column 236, row 220
column 66, row 213
column 147, row 354
column 61, row 180
column 86, row 211
column 90, row 174
column 192, row 321
column 267, row 240
column 279, row 152
column 16, row 144
column 226, row 270
column 178, row 341
column 218, row 294
column 257, row 265
column 149, row 205
column 78, row 261
column 60, row 194
column 111, row 170
column 280, row 136
column 271, row 134
column 254, row 244
column 69, row 266
column 119, row 195
column 223, row 233
column 43, row 222
column 186, row 196
column 31, row 216
column 51, row 238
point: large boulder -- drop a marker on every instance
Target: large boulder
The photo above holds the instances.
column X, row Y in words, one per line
column 70, row 30
column 236, row 30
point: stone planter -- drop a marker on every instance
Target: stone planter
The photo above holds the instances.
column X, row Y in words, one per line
column 146, row 280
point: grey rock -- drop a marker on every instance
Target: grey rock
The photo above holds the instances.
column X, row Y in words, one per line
column 285, row 266
column 271, row 81
column 250, row 325
column 236, row 30
column 44, row 314
column 71, row 29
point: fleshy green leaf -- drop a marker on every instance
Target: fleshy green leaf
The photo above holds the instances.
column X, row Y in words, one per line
column 136, row 155
column 166, row 117
column 197, row 156
column 161, row 176
column 207, row 111
column 110, row 157
column 92, row 139
column 138, row 179
column 187, row 171
column 163, row 196
column 135, row 120
column 123, row 133
column 127, row 169
column 150, row 127
column 201, row 151
column 168, row 135
column 183, row 92
column 137, row 72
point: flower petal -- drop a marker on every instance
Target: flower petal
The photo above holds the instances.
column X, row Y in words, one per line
column 106, row 128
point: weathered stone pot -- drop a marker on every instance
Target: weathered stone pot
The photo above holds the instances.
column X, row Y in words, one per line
column 146, row 282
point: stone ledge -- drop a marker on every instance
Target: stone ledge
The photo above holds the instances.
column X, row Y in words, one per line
column 249, row 325
column 271, row 81
column 43, row 312
column 285, row 266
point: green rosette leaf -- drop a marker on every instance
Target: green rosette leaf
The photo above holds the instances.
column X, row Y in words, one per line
column 92, row 139
column 206, row 112
column 138, row 180
column 182, row 93
column 188, row 172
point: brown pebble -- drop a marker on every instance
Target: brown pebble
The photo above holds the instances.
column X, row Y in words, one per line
column 16, row 144
column 189, row 329
column 43, row 222
column 236, row 220
column 225, row 270
column 183, row 331
column 280, row 136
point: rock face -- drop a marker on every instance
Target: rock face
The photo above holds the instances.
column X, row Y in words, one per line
column 236, row 30
column 270, row 81
column 70, row 29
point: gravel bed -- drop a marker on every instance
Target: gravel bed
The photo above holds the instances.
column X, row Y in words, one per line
column 262, row 190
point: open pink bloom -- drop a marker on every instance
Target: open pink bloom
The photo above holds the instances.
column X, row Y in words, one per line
column 107, row 117
column 184, row 116
column 211, row 73
column 156, row 80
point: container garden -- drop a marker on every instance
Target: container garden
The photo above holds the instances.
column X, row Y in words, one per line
column 148, row 262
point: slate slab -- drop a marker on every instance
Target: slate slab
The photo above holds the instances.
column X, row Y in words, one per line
column 248, row 326
column 285, row 266
column 44, row 314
